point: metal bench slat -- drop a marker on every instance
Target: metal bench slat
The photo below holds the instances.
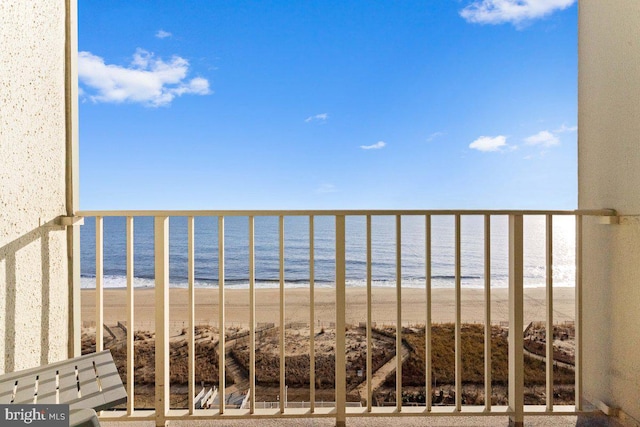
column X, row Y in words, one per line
column 6, row 391
column 24, row 393
column 113, row 390
column 88, row 383
column 68, row 383
column 47, row 387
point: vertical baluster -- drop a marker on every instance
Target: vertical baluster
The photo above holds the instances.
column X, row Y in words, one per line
column 427, row 331
column 341, row 377
column 487, row 313
column 252, row 316
column 99, row 285
column 578, row 321
column 369, row 343
column 398, row 313
column 221, row 322
column 74, row 298
column 191, row 335
column 458, row 333
column 549, row 326
column 516, row 307
column 161, row 237
column 130, row 319
column 282, row 318
column 312, row 317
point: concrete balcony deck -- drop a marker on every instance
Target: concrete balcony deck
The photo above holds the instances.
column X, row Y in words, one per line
column 587, row 420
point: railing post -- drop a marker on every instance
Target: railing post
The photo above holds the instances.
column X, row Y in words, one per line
column 398, row 313
column 161, row 241
column 222, row 384
column 130, row 320
column 578, row 321
column 487, row 314
column 312, row 317
column 252, row 316
column 341, row 374
column 516, row 306
column 369, row 296
column 192, row 300
column 458, row 324
column 549, row 321
column 72, row 176
column 281, row 345
column 99, row 284
column 427, row 328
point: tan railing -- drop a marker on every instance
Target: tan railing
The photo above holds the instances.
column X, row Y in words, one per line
column 516, row 409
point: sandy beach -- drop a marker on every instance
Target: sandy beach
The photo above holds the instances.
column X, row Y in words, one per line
column 297, row 306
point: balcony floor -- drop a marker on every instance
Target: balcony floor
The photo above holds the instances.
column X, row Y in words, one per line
column 595, row 420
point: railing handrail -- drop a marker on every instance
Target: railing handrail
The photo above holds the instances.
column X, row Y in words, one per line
column 516, row 409
column 346, row 212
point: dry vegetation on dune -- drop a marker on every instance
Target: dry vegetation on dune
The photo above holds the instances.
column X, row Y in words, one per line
column 443, row 368
column 206, row 363
column 297, row 359
column 206, row 360
column 472, row 337
column 297, row 363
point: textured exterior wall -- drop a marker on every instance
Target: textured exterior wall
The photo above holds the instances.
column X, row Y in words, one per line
column 33, row 257
column 609, row 177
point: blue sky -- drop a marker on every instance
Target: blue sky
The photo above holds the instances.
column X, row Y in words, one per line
column 328, row 104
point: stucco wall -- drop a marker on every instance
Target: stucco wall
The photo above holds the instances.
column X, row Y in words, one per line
column 33, row 263
column 609, row 177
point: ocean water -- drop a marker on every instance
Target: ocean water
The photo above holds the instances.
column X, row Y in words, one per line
column 297, row 251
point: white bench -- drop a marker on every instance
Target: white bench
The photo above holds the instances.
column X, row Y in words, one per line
column 87, row 384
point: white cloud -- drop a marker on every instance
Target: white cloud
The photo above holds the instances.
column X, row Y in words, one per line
column 321, row 117
column 544, row 138
column 565, row 128
column 147, row 80
column 489, row 143
column 516, row 12
column 435, row 135
column 326, row 188
column 162, row 34
column 378, row 145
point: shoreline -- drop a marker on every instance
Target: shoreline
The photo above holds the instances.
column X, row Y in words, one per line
column 383, row 307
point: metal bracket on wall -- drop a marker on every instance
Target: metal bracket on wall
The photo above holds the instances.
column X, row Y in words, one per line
column 69, row 220
column 629, row 219
column 621, row 219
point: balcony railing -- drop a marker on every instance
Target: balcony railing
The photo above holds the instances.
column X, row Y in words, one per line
column 341, row 408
